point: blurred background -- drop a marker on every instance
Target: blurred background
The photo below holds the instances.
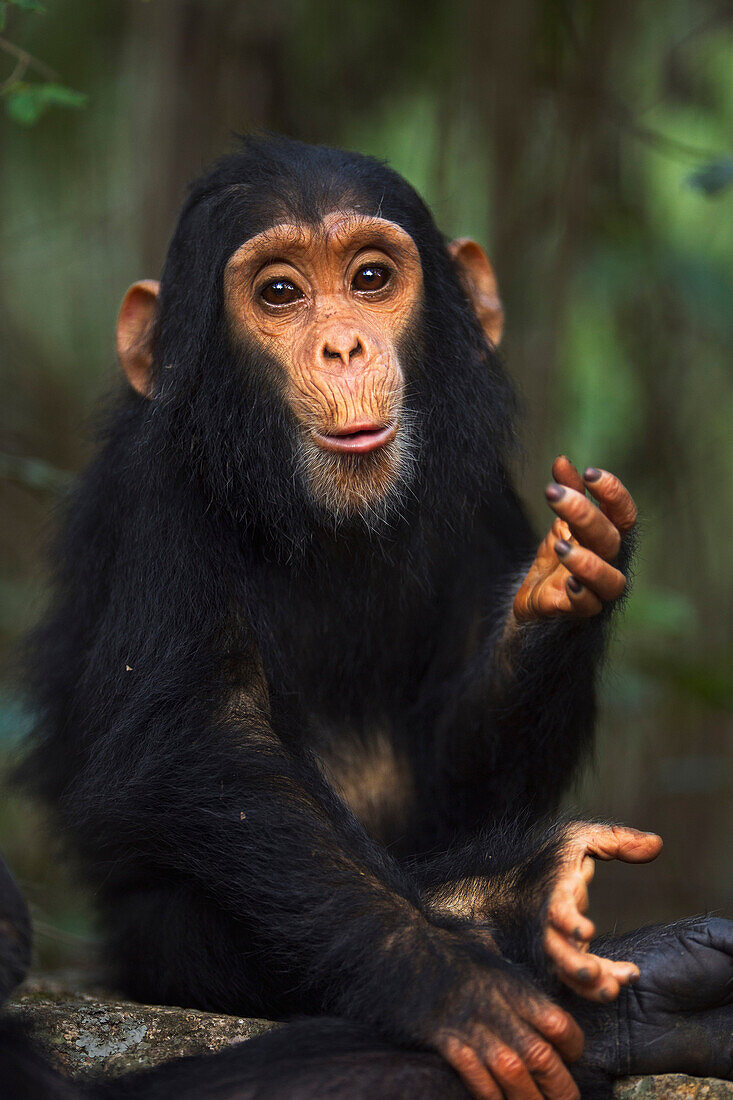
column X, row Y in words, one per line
column 588, row 146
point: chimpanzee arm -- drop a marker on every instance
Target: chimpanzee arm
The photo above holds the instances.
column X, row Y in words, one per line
column 519, row 719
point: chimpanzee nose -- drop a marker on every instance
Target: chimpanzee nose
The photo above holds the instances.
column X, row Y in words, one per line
column 344, row 346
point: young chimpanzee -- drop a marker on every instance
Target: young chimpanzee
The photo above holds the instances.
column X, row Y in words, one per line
column 308, row 690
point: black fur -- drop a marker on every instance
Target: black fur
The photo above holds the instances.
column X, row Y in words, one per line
column 224, row 661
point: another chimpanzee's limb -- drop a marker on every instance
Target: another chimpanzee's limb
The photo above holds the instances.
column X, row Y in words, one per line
column 678, row 1018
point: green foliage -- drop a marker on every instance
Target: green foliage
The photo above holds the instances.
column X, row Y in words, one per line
column 28, row 5
column 23, row 5
column 26, row 103
column 33, row 473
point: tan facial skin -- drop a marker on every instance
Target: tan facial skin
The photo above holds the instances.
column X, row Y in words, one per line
column 330, row 304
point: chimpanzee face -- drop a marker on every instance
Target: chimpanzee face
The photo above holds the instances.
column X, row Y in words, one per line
column 332, row 305
column 303, row 291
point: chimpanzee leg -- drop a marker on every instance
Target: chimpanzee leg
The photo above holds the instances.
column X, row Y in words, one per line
column 171, row 945
column 325, row 1059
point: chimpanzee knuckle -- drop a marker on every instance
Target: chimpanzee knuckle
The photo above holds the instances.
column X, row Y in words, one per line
column 578, row 509
column 506, row 1063
column 539, row 1056
column 568, row 1091
column 591, row 606
column 615, row 583
column 614, row 543
column 618, row 499
column 594, row 569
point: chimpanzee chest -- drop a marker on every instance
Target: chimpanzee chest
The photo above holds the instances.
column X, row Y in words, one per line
column 373, row 776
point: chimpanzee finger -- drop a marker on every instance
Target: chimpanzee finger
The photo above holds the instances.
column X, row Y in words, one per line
column 588, row 969
column 566, row 915
column 624, row 843
column 469, row 1067
column 558, row 1027
column 602, row 579
column 566, row 474
column 569, row 960
column 512, row 1075
column 613, row 496
column 550, row 1073
column 583, row 602
column 601, row 993
column 588, row 523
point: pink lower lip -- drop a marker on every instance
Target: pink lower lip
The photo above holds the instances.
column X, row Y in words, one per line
column 358, row 441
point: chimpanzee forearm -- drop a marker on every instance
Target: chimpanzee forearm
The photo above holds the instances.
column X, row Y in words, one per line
column 542, row 696
column 518, row 723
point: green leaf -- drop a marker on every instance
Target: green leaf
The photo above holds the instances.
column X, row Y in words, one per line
column 28, row 5
column 34, row 473
column 25, row 103
column 58, row 95
column 3, row 13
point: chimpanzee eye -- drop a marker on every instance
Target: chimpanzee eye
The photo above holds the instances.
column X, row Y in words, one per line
column 371, row 277
column 280, row 292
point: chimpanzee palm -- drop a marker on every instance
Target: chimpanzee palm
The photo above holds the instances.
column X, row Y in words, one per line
column 308, row 690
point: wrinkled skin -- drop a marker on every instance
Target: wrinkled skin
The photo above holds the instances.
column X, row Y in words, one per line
column 569, row 931
column 501, row 1035
column 678, row 1017
column 573, row 573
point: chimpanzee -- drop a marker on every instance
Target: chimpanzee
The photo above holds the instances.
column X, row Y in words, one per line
column 308, row 691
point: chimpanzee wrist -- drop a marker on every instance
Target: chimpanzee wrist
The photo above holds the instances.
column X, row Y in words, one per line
column 412, row 978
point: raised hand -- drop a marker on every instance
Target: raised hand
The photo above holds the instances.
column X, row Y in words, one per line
column 573, row 572
column 569, row 931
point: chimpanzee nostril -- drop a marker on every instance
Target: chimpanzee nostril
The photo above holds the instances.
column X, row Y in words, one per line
column 337, row 349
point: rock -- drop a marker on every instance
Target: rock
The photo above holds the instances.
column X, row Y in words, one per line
column 93, row 1032
column 673, row 1086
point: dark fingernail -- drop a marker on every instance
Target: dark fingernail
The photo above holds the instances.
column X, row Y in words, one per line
column 562, row 547
column 633, row 978
column 584, row 974
column 554, row 492
column 606, row 995
column 592, row 474
column 577, row 934
column 574, row 585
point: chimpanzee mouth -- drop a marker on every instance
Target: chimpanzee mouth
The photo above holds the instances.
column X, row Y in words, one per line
column 357, row 439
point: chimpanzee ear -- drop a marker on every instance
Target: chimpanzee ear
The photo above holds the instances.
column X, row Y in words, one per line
column 134, row 334
column 479, row 282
